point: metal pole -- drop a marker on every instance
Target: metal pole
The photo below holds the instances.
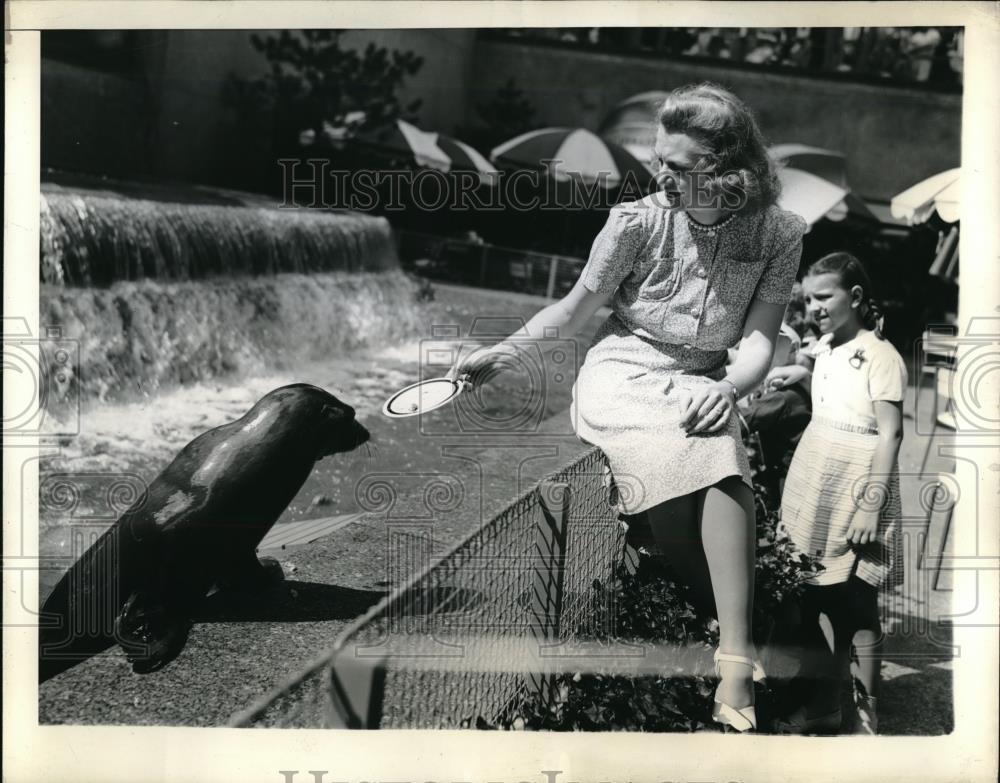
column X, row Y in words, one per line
column 553, row 266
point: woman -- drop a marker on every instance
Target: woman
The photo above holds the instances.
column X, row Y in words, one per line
column 689, row 271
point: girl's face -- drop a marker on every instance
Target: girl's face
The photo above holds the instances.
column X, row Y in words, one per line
column 832, row 307
column 675, row 155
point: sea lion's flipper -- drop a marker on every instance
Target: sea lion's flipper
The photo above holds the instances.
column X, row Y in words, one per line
column 150, row 633
column 244, row 572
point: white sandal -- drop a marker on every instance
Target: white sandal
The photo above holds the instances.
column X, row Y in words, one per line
column 741, row 719
column 759, row 675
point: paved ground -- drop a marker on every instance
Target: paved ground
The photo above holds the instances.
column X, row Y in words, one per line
column 917, row 672
column 238, row 651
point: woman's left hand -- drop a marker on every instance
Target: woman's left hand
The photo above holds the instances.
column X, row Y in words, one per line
column 709, row 409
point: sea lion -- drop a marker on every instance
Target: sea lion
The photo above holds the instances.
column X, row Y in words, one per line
column 196, row 527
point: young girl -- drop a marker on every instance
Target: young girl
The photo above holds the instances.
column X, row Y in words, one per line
column 841, row 499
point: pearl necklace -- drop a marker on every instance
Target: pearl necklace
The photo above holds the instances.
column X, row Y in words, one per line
column 712, row 229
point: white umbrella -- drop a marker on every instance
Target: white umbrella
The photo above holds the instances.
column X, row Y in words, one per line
column 828, row 164
column 807, row 195
column 940, row 192
column 831, row 166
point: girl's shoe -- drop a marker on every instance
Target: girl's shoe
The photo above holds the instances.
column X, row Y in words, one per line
column 867, row 718
column 759, row 675
column 798, row 723
column 740, row 719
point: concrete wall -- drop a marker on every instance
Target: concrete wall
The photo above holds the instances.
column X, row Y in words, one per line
column 75, row 133
column 893, row 137
column 175, row 120
column 175, row 117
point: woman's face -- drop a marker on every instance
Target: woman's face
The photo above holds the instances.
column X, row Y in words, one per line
column 829, row 305
column 675, row 155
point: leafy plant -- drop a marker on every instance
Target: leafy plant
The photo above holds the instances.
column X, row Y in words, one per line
column 507, row 114
column 323, row 93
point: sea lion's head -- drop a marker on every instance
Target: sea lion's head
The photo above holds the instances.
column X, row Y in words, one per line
column 315, row 416
column 343, row 431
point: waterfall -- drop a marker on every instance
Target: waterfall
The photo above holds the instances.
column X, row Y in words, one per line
column 150, row 293
column 97, row 238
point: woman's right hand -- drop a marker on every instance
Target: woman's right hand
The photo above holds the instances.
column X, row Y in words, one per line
column 783, row 377
column 481, row 364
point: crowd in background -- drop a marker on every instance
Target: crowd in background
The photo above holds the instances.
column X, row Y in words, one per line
column 922, row 55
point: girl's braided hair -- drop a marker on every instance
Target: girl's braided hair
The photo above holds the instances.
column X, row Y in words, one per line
column 852, row 273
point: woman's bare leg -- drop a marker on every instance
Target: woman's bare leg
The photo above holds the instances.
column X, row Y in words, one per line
column 727, row 522
column 674, row 526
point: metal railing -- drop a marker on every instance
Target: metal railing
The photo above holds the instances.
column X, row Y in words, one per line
column 491, row 266
column 469, row 640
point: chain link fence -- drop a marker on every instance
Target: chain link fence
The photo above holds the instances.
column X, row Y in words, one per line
column 490, row 266
column 480, row 633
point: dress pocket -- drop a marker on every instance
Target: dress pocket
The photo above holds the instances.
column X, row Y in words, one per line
column 663, row 279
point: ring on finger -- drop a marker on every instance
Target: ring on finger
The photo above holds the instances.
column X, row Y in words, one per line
column 710, row 417
column 720, row 422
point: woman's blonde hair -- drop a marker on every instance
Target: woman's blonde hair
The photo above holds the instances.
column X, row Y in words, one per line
column 738, row 161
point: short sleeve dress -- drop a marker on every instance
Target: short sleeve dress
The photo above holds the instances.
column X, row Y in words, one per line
column 830, row 475
column 681, row 294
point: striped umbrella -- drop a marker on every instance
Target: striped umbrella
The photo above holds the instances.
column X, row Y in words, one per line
column 403, row 140
column 632, row 123
column 573, row 154
column 462, row 157
column 427, row 149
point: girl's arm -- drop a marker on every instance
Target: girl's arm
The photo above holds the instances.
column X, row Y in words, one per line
column 864, row 525
column 561, row 320
column 711, row 406
column 789, row 375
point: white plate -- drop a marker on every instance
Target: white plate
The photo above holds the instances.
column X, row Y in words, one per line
column 422, row 397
